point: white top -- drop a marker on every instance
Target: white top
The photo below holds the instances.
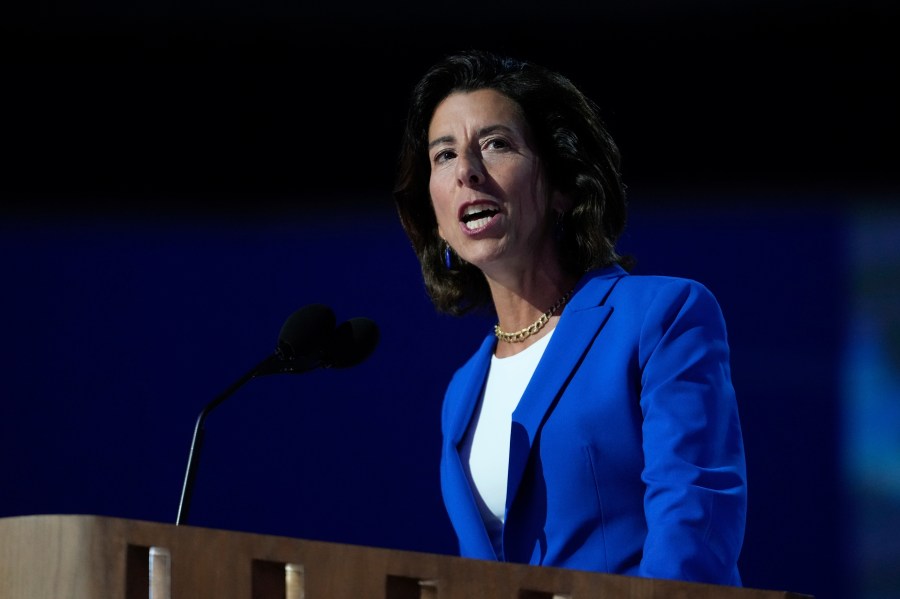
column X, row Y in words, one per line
column 485, row 448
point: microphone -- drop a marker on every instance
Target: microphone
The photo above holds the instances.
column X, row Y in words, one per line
column 308, row 340
column 301, row 342
column 352, row 342
column 306, row 344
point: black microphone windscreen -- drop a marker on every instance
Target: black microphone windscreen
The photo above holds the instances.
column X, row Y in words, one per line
column 306, row 332
column 353, row 342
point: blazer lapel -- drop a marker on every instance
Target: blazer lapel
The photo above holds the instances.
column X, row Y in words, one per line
column 579, row 324
column 460, row 403
column 466, row 390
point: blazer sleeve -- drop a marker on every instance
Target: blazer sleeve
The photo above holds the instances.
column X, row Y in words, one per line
column 694, row 470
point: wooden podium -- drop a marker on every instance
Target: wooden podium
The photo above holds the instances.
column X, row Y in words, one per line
column 91, row 557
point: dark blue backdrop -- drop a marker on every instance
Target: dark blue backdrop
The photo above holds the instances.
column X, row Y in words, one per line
column 118, row 330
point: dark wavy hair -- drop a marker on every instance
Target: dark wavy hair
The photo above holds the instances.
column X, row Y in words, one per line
column 576, row 152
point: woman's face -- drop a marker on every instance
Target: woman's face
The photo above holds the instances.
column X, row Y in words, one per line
column 487, row 186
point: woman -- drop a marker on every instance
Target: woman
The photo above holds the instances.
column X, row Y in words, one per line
column 596, row 428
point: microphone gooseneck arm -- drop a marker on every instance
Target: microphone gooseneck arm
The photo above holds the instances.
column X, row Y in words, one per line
column 308, row 340
column 187, row 490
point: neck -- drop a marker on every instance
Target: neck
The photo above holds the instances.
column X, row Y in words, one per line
column 520, row 302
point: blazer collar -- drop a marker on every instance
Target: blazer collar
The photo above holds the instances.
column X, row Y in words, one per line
column 594, row 288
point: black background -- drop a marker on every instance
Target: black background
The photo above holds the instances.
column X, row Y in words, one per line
column 110, row 106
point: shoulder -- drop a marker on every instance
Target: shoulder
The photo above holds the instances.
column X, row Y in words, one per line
column 670, row 296
column 676, row 320
column 614, row 287
column 648, row 310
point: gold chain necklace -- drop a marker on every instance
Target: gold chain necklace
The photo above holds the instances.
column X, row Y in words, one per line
column 534, row 327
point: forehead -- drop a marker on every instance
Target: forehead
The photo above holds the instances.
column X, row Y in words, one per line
column 476, row 109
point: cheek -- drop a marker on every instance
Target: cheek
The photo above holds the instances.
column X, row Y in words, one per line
column 439, row 204
column 433, row 191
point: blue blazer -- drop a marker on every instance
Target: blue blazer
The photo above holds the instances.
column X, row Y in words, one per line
column 626, row 453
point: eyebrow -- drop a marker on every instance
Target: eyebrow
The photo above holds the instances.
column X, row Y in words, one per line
column 481, row 133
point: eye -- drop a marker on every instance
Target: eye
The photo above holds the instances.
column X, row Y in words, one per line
column 444, row 156
column 496, row 143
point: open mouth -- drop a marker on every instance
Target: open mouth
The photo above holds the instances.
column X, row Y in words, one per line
column 476, row 217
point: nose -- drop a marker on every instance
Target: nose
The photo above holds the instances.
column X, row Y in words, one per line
column 469, row 170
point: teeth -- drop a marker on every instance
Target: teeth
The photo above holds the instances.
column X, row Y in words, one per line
column 479, row 215
column 476, row 208
column 478, row 222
